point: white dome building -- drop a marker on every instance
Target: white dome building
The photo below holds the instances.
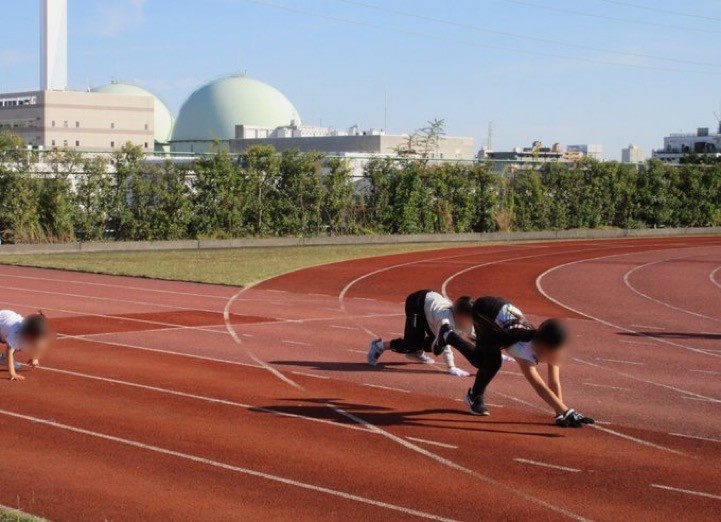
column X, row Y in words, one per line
column 211, row 113
column 164, row 120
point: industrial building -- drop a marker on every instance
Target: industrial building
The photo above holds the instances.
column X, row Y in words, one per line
column 351, row 143
column 231, row 113
column 702, row 142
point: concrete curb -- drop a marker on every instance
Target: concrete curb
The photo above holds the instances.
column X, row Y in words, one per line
column 157, row 246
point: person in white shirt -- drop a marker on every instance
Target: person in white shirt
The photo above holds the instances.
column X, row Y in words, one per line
column 426, row 312
column 499, row 325
column 30, row 335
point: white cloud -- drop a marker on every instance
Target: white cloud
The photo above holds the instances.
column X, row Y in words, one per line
column 116, row 16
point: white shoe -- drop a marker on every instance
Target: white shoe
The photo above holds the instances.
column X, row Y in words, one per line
column 458, row 372
column 375, row 350
column 420, row 357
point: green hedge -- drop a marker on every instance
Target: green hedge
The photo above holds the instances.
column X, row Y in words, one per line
column 262, row 193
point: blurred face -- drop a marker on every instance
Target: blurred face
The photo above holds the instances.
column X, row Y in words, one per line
column 548, row 355
column 464, row 322
column 37, row 347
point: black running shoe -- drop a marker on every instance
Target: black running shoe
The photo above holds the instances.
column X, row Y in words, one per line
column 476, row 404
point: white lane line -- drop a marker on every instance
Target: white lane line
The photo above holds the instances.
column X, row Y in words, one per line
column 706, row 371
column 297, row 343
column 515, row 374
column 432, row 443
column 701, row 400
column 641, row 343
column 646, row 381
column 159, row 350
column 712, row 277
column 225, row 466
column 107, row 285
column 606, row 386
column 248, row 335
column 401, row 390
column 695, row 437
column 365, row 352
column 312, row 375
column 338, row 327
column 636, row 440
column 618, row 361
column 539, row 287
column 687, row 491
column 546, row 465
column 627, row 282
column 645, row 327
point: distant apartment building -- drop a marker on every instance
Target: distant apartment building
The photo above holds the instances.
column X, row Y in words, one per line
column 676, row 146
column 633, row 154
column 587, row 151
column 78, row 120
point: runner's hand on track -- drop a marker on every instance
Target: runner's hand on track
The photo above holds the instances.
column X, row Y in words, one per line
column 18, row 378
column 34, row 363
column 458, row 372
column 572, row 419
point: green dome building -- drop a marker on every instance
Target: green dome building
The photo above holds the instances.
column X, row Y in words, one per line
column 164, row 120
column 212, row 112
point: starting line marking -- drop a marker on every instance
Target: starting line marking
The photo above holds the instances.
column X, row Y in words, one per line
column 706, row 371
column 432, row 443
column 338, row 327
column 707, row 439
column 606, row 386
column 298, row 343
column 646, row 327
column 312, row 375
column 687, row 491
column 620, row 362
column 227, row 467
column 385, row 388
column 545, row 465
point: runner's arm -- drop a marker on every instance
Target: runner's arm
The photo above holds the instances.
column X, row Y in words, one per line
column 530, row 372
column 554, row 380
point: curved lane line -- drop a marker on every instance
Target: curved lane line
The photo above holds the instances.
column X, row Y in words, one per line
column 712, row 277
column 539, row 286
column 627, row 282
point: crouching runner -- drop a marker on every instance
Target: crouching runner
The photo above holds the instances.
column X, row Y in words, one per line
column 501, row 326
column 426, row 313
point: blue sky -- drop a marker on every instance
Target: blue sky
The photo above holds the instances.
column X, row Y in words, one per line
column 569, row 71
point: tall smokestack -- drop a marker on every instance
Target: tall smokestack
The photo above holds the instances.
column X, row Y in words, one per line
column 53, row 45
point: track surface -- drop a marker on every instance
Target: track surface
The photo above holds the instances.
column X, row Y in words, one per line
column 176, row 401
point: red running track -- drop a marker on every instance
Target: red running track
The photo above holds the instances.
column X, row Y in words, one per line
column 178, row 401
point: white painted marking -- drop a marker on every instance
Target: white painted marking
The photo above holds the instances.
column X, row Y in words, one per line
column 646, row 381
column 401, row 390
column 359, row 351
column 620, row 361
column 248, row 335
column 546, row 465
column 687, row 491
column 636, row 440
column 487, row 403
column 700, row 399
column 458, row 467
column 312, row 375
column 641, row 343
column 338, row 327
column 712, row 277
column 224, row 466
column 606, row 386
column 108, row 285
column 706, row 371
column 432, row 443
column 695, row 437
column 515, row 374
column 627, row 282
column 645, row 327
column 297, row 343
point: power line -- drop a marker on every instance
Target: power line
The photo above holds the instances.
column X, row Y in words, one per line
column 472, row 44
column 612, row 18
column 660, row 10
column 463, row 25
